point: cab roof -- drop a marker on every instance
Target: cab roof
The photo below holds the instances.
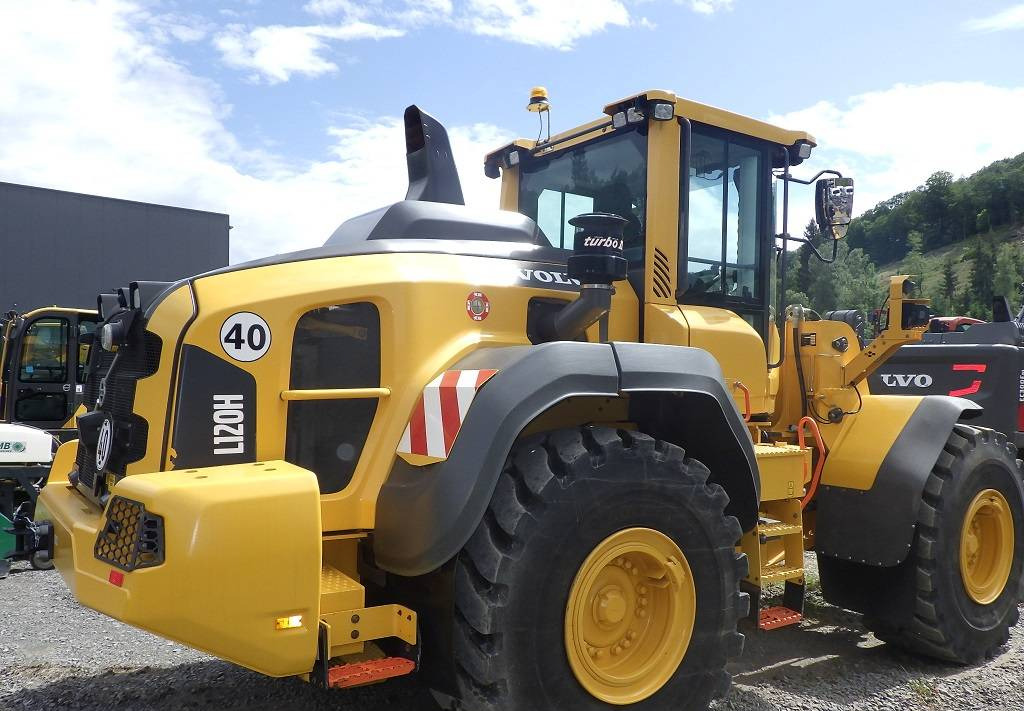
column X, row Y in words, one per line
column 684, row 108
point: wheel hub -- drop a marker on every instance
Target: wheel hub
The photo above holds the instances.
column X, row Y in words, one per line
column 630, row 616
column 986, row 546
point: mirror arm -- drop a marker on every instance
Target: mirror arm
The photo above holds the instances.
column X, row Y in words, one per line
column 790, row 178
column 814, row 250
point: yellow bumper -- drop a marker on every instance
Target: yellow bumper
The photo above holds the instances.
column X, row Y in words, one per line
column 240, row 552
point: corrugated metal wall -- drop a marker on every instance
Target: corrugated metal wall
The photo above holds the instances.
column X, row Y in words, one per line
column 60, row 248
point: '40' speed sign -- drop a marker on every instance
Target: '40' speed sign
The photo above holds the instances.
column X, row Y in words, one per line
column 245, row 336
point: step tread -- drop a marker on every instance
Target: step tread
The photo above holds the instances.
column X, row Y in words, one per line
column 771, row 618
column 778, row 528
column 343, row 676
column 779, row 572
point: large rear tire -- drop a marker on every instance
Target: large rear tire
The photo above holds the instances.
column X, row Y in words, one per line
column 956, row 596
column 544, row 605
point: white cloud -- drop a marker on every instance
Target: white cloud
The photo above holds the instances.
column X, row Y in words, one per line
column 97, row 107
column 541, row 22
column 276, row 52
column 890, row 141
column 1012, row 18
column 709, row 7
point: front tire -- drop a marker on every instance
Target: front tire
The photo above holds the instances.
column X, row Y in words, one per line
column 963, row 580
column 540, row 595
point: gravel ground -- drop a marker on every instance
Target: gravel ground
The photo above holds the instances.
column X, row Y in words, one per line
column 57, row 654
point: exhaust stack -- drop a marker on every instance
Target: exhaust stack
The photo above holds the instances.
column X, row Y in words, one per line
column 432, row 173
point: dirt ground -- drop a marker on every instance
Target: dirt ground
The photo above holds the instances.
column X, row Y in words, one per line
column 55, row 654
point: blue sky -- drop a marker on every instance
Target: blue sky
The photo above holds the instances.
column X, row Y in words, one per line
column 285, row 114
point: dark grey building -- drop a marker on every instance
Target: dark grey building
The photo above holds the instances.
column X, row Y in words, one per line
column 61, row 248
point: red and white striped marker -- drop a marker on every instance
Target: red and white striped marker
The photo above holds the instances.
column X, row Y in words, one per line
column 440, row 412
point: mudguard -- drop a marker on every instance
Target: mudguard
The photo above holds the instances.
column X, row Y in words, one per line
column 425, row 515
column 876, row 525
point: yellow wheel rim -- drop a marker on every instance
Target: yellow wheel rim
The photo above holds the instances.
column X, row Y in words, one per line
column 630, row 616
column 986, row 547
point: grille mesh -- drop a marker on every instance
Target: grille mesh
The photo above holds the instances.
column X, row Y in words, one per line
column 131, row 538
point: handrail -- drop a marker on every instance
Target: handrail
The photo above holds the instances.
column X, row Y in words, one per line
column 335, row 394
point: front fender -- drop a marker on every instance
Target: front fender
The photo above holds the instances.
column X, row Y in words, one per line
column 870, row 496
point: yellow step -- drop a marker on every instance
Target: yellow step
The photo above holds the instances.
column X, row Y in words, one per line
column 777, row 528
column 339, row 592
column 780, row 572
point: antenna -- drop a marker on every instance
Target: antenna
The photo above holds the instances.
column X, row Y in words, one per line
column 540, row 105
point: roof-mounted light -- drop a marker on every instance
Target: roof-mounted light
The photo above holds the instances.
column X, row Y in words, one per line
column 662, row 110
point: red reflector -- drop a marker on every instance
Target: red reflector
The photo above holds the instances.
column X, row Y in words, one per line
column 116, row 577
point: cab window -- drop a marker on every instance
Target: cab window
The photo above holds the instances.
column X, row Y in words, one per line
column 727, row 199
column 44, row 352
column 608, row 174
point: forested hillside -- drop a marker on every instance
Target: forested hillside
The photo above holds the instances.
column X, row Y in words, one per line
column 963, row 237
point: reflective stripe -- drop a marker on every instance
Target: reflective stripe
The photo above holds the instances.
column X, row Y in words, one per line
column 440, row 411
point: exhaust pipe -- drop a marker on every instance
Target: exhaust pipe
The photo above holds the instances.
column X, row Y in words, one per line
column 597, row 261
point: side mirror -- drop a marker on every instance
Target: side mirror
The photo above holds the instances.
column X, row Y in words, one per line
column 833, row 206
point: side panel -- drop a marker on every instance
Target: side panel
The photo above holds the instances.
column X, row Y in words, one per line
column 215, row 417
column 871, row 519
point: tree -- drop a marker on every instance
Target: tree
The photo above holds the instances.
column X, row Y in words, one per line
column 803, row 276
column 944, row 297
column 983, row 223
column 858, row 283
column 1009, row 270
column 981, row 287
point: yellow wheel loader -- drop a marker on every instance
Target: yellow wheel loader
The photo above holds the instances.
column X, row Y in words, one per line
column 540, row 456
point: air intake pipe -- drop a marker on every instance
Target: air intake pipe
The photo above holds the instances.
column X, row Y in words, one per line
column 597, row 261
column 428, row 155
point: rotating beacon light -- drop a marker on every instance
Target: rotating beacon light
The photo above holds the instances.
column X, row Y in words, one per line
column 540, row 105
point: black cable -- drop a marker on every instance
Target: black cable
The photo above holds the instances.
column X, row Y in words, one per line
column 800, row 366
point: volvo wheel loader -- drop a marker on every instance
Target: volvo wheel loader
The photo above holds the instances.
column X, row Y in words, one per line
column 43, row 358
column 539, row 455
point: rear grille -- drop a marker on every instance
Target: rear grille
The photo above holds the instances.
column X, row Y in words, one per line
column 131, row 538
column 135, row 361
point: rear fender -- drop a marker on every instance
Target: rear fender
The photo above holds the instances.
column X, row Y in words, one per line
column 240, row 549
column 426, row 514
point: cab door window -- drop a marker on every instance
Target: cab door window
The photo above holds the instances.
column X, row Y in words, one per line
column 44, row 352
column 727, row 224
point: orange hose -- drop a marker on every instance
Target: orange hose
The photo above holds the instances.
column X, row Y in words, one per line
column 816, row 477
column 747, row 414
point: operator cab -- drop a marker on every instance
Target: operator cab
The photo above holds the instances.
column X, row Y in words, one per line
column 722, row 166
column 697, row 186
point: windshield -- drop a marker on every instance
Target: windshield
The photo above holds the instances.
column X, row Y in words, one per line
column 608, row 174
